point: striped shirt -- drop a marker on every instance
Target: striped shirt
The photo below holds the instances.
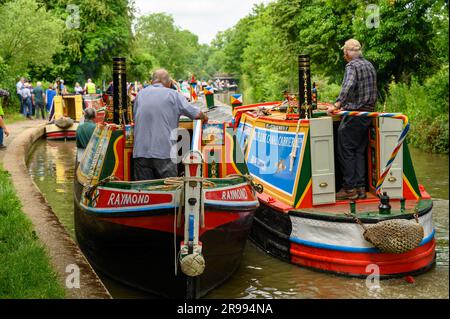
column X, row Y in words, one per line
column 359, row 88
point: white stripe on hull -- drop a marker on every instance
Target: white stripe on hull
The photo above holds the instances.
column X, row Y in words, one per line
column 339, row 233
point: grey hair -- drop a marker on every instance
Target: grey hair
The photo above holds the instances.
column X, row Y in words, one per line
column 89, row 114
column 161, row 76
column 353, row 54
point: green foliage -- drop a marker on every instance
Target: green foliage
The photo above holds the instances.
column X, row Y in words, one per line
column 93, row 33
column 168, row 46
column 398, row 48
column 30, row 35
column 25, row 270
column 426, row 105
column 409, row 47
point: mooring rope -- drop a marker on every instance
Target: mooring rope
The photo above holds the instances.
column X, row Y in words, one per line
column 400, row 140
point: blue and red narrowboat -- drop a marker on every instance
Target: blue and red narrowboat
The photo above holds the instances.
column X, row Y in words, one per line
column 290, row 147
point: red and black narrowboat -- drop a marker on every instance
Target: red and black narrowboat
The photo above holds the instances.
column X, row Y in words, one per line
column 179, row 237
column 290, row 147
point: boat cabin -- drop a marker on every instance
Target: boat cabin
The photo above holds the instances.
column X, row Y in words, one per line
column 295, row 159
column 70, row 106
column 110, row 151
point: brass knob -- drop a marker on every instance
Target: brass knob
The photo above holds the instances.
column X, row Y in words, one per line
column 323, row 185
column 392, row 179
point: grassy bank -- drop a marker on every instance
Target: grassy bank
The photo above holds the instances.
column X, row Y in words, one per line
column 25, row 270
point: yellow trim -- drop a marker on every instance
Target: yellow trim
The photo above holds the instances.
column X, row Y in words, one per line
column 116, row 155
column 126, row 165
column 304, row 193
column 410, row 187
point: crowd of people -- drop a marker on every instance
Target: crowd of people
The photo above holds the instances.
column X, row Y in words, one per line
column 36, row 101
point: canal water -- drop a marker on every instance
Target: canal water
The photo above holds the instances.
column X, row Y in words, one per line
column 51, row 165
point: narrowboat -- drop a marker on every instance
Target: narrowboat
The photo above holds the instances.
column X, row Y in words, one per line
column 290, row 148
column 64, row 117
column 178, row 237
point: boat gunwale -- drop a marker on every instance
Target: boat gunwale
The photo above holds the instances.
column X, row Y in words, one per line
column 372, row 220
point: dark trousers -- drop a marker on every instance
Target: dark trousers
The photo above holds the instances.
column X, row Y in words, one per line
column 26, row 107
column 154, row 168
column 40, row 108
column 352, row 142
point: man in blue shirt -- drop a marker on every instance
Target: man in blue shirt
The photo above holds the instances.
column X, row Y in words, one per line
column 50, row 93
column 157, row 110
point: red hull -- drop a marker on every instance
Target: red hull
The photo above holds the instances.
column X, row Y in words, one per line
column 61, row 135
column 355, row 264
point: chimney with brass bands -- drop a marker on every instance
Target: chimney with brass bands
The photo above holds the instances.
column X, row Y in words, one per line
column 120, row 91
column 304, row 85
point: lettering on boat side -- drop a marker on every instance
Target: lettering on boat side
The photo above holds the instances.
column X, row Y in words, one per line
column 109, row 198
column 277, row 127
column 226, row 308
column 234, row 194
column 128, row 199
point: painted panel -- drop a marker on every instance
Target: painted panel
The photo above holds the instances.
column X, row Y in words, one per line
column 269, row 158
column 322, row 161
column 390, row 130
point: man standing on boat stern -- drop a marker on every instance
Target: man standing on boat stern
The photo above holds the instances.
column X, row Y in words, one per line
column 358, row 93
column 157, row 110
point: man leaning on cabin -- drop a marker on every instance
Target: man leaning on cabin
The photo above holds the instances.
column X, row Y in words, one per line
column 85, row 131
column 157, row 110
column 358, row 93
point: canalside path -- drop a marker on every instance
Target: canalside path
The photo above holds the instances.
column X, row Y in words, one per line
column 63, row 251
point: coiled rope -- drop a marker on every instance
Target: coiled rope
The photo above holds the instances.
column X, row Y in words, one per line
column 400, row 140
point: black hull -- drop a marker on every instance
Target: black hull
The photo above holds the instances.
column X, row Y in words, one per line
column 145, row 258
column 270, row 232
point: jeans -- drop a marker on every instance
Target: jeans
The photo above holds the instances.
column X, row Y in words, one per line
column 352, row 142
column 26, row 111
column 154, row 168
column 1, row 136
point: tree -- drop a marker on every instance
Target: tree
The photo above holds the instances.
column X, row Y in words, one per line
column 399, row 46
column 95, row 31
column 173, row 48
column 30, row 35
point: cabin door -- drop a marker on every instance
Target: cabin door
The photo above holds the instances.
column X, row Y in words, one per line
column 390, row 130
column 322, row 161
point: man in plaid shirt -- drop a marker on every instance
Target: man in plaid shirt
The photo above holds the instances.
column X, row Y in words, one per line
column 358, row 93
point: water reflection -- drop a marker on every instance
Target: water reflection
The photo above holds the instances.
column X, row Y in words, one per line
column 261, row 276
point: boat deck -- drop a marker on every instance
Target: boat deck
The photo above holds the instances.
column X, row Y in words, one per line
column 364, row 207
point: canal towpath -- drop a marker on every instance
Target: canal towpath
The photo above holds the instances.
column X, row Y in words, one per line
column 65, row 256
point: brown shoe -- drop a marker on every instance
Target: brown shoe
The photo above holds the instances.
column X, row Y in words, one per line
column 344, row 194
column 361, row 192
